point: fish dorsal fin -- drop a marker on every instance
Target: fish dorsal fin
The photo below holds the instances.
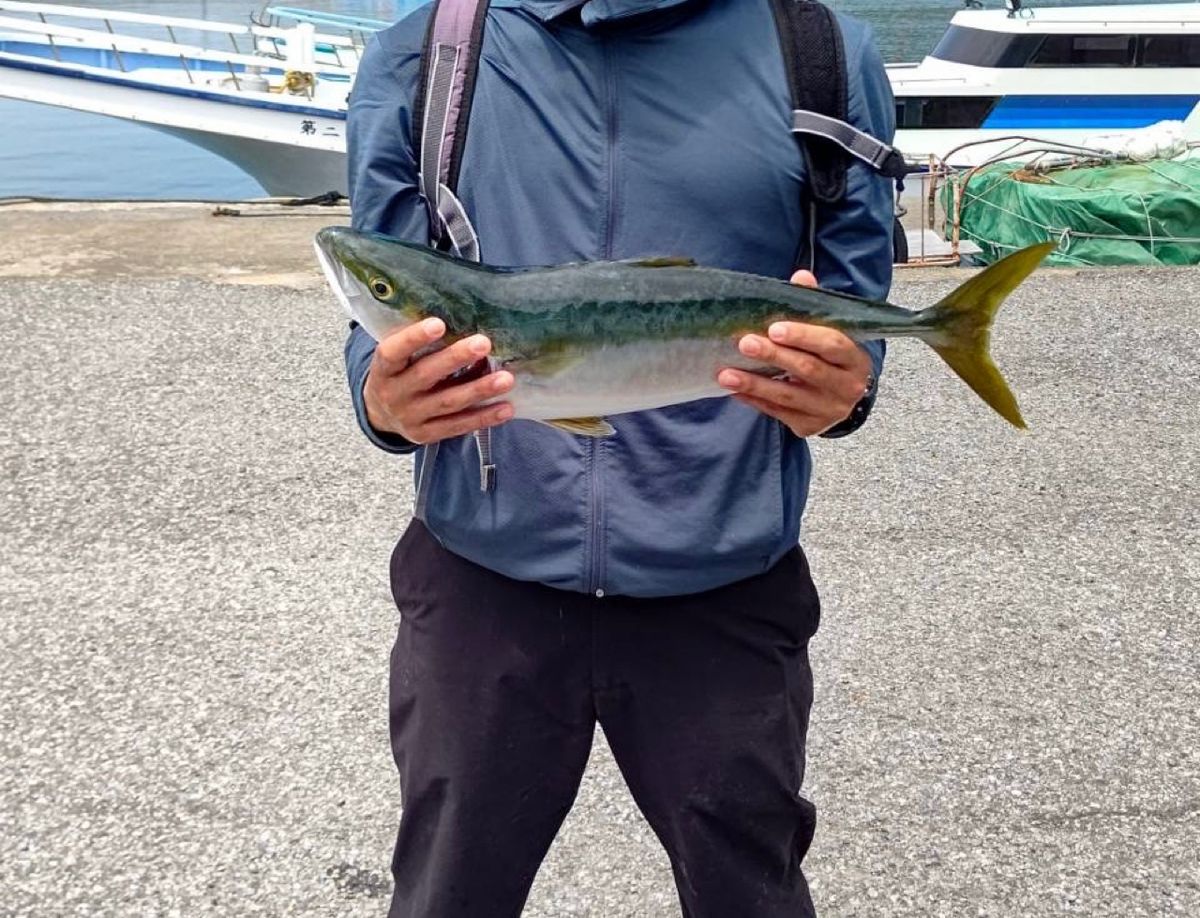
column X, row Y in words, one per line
column 583, row 427
column 668, row 261
column 656, row 261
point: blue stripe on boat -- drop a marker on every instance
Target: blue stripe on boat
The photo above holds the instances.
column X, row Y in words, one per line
column 185, row 91
column 1041, row 112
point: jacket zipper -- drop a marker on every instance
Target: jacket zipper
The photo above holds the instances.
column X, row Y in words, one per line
column 596, row 539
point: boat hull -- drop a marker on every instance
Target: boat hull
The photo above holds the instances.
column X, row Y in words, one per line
column 283, row 170
column 290, row 145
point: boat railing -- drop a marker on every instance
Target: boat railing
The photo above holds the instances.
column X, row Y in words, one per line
column 923, row 220
column 298, row 65
column 930, row 210
column 938, row 80
column 272, row 15
column 284, row 44
column 1079, row 24
column 172, row 25
column 358, row 29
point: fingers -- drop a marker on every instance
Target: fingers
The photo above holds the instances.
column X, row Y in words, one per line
column 807, row 368
column 802, row 366
column 827, row 343
column 817, row 393
column 800, row 423
column 417, row 398
column 788, row 396
column 433, row 368
column 804, row 279
column 458, row 397
column 393, row 353
column 462, row 423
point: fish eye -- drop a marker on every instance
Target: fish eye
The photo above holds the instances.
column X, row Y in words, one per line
column 381, row 287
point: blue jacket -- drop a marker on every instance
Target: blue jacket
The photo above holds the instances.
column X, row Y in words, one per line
column 608, row 134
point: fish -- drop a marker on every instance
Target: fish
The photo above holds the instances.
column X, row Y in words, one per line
column 590, row 340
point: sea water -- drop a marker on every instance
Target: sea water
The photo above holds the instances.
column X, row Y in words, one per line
column 59, row 153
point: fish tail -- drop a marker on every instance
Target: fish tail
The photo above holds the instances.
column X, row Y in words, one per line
column 961, row 325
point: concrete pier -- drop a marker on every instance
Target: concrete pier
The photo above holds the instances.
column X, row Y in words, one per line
column 195, row 621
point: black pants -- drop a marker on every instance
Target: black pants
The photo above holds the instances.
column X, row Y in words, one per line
column 496, row 687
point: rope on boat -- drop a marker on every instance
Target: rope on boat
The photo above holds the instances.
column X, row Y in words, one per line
column 298, row 83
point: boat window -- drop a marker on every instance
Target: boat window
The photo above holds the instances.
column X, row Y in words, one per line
column 943, row 111
column 1170, row 51
column 982, row 48
column 1085, row 51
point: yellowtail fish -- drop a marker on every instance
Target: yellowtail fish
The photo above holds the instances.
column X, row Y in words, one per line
column 588, row 341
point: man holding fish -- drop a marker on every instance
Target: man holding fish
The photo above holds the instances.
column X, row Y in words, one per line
column 645, row 576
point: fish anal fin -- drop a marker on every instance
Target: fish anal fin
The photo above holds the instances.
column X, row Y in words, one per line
column 583, row 427
column 668, row 261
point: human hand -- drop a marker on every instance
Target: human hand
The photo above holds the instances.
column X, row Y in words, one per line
column 827, row 373
column 413, row 398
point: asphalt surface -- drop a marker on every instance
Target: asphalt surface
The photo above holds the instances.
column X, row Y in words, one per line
column 195, row 622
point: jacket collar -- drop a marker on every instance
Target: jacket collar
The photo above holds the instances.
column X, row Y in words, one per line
column 590, row 11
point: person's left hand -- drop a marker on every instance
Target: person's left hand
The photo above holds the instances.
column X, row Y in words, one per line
column 827, row 373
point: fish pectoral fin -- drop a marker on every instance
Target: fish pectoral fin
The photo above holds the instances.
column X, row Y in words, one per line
column 669, row 261
column 542, row 365
column 583, row 427
column 551, row 360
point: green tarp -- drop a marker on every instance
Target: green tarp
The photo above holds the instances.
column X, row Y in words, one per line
column 1127, row 214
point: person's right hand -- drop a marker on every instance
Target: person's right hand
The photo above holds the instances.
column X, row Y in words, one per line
column 412, row 398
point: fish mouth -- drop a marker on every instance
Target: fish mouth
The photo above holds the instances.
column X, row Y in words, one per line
column 351, row 292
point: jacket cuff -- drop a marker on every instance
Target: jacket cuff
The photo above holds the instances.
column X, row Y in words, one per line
column 875, row 350
column 360, row 348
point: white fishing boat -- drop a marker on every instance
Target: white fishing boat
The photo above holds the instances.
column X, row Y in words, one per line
column 1024, row 76
column 272, row 100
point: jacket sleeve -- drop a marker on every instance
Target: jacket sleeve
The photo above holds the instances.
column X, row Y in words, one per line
column 383, row 177
column 853, row 245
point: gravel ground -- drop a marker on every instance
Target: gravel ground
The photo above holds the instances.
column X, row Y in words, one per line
column 195, row 621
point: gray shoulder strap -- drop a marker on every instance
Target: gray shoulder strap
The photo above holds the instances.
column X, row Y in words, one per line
column 875, row 153
column 451, row 62
column 452, row 57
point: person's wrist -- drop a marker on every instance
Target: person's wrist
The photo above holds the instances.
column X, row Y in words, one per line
column 376, row 420
column 371, row 409
column 858, row 414
column 379, row 426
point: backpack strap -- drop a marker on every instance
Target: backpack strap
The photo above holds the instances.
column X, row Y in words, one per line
column 887, row 161
column 449, row 65
column 441, row 112
column 814, row 57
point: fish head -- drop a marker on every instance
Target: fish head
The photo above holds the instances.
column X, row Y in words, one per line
column 376, row 279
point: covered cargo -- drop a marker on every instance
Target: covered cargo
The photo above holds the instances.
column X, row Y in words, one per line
column 1116, row 214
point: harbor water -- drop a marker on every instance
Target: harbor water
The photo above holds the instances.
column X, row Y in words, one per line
column 50, row 152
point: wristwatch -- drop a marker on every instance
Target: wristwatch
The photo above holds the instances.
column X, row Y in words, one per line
column 858, row 414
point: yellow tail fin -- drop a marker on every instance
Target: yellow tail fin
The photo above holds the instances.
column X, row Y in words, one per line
column 962, row 326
